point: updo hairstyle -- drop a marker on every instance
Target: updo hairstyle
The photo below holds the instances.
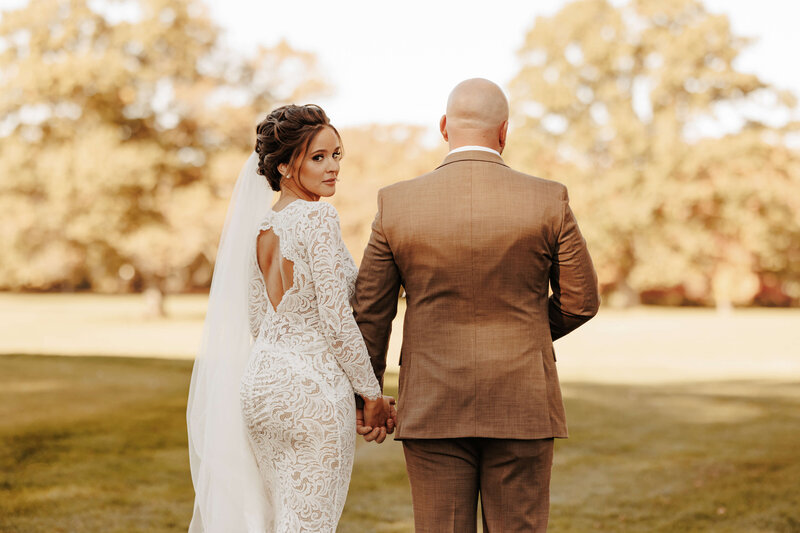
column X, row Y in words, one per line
column 284, row 136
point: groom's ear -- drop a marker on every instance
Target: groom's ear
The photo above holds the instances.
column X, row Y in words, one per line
column 443, row 127
column 502, row 137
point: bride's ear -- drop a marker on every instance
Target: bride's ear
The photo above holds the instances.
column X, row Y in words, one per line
column 282, row 169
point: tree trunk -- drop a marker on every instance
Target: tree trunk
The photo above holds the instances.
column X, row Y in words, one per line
column 154, row 303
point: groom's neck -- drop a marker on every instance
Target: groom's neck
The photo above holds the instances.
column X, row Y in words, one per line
column 457, row 141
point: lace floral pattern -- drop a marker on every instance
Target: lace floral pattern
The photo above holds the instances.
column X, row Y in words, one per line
column 307, row 360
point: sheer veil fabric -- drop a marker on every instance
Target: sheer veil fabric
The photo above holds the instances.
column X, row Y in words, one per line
column 229, row 495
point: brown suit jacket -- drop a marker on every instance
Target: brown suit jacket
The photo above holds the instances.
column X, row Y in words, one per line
column 475, row 244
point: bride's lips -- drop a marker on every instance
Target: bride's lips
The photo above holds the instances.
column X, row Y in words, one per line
column 331, row 181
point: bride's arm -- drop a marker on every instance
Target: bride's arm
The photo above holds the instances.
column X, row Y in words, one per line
column 328, row 269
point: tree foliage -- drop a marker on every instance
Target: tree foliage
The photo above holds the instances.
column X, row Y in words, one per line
column 121, row 140
column 123, row 126
column 624, row 105
column 376, row 156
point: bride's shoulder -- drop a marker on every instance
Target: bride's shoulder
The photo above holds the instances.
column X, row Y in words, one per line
column 307, row 210
column 321, row 211
column 320, row 217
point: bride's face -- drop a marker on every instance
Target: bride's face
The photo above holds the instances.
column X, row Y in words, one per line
column 320, row 165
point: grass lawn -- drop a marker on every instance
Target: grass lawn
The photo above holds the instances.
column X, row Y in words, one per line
column 99, row 444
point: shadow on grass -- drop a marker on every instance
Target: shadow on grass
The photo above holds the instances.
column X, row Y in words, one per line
column 99, row 444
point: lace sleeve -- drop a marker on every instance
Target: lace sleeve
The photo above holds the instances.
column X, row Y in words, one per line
column 350, row 271
column 326, row 254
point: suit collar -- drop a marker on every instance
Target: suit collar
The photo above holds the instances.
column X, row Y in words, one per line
column 473, row 155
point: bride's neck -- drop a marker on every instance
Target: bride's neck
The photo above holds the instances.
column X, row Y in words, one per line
column 290, row 192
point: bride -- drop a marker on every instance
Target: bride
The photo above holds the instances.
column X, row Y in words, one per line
column 271, row 412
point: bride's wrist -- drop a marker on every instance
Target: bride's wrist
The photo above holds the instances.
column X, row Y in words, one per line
column 371, row 401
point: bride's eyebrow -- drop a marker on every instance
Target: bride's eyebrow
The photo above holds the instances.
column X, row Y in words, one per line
column 325, row 150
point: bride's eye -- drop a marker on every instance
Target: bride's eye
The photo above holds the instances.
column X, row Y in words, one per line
column 317, row 157
column 337, row 155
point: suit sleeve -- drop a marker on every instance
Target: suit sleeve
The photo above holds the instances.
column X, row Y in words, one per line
column 377, row 291
column 573, row 280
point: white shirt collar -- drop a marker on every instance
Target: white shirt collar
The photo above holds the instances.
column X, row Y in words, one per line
column 473, row 147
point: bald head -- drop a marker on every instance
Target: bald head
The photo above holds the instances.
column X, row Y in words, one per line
column 477, row 113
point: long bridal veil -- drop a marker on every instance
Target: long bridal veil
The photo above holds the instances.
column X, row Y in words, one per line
column 229, row 496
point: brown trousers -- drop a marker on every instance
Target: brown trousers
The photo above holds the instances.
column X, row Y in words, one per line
column 512, row 477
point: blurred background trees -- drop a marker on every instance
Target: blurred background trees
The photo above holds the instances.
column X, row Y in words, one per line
column 122, row 139
column 377, row 155
column 619, row 103
column 123, row 129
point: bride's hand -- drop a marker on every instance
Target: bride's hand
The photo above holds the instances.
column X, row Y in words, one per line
column 377, row 412
column 369, row 433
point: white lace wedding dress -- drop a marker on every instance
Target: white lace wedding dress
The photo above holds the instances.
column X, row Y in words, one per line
column 307, row 360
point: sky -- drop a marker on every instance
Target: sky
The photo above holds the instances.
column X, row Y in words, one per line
column 394, row 62
column 397, row 61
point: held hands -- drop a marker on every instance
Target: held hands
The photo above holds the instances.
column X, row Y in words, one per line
column 377, row 419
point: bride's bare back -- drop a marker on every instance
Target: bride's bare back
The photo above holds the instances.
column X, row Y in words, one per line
column 278, row 272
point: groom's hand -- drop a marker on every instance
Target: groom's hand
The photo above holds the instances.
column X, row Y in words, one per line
column 391, row 422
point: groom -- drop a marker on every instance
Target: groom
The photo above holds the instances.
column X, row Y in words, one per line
column 476, row 245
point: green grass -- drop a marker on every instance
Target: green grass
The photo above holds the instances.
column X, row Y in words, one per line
column 689, row 457
column 93, row 444
column 99, row 444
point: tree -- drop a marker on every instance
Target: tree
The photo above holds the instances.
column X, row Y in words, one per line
column 376, row 156
column 614, row 101
column 121, row 138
